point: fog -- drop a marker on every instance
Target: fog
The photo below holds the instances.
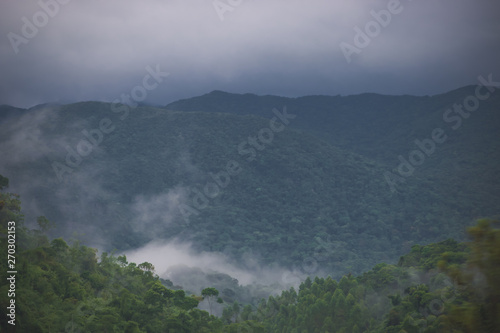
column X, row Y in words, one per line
column 167, row 257
column 84, row 208
column 245, row 282
column 96, row 50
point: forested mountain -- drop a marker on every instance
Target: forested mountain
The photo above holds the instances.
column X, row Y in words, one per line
column 296, row 187
column 443, row 287
column 384, row 127
column 233, row 166
column 303, row 191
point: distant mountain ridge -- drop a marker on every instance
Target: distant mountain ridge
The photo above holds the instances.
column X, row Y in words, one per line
column 384, row 127
column 338, row 118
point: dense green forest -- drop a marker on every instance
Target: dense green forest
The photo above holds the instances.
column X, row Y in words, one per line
column 313, row 194
column 293, row 187
column 61, row 287
column 381, row 128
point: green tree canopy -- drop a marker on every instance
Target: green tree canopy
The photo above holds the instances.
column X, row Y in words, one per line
column 210, row 294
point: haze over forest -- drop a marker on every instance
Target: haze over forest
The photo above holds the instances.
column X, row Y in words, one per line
column 244, row 165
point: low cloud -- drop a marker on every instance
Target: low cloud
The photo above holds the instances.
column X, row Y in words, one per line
column 172, row 258
column 24, row 139
column 151, row 213
column 263, row 47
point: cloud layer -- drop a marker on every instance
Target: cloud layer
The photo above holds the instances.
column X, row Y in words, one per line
column 172, row 258
column 94, row 50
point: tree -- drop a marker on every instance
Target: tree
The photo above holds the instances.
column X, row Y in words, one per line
column 4, row 182
column 146, row 266
column 210, row 294
column 44, row 224
column 236, row 311
column 227, row 314
column 158, row 295
column 122, row 260
column 477, row 281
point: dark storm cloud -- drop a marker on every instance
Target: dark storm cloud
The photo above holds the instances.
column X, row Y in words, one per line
column 97, row 50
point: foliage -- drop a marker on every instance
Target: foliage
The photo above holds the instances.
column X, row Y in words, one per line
column 65, row 287
column 316, row 191
column 479, row 304
column 442, row 287
column 210, row 294
column 4, row 182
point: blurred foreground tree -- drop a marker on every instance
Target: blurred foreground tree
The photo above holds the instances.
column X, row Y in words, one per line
column 478, row 309
column 4, row 182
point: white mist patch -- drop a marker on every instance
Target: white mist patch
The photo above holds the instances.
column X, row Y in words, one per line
column 153, row 212
column 24, row 139
column 172, row 256
column 164, row 256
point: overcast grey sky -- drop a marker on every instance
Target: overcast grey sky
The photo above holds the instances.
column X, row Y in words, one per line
column 98, row 49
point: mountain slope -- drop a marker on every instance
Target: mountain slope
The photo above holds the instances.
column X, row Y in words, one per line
column 242, row 185
column 385, row 128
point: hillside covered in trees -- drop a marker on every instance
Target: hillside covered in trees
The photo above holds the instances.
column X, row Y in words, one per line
column 211, row 171
column 308, row 214
column 232, row 166
column 61, row 287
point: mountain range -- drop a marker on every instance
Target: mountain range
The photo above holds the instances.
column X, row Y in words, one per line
column 321, row 184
